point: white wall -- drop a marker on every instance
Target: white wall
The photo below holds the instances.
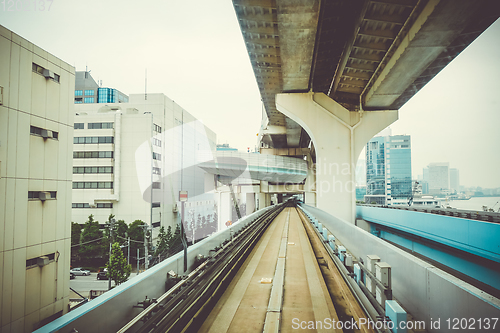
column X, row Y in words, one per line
column 32, row 228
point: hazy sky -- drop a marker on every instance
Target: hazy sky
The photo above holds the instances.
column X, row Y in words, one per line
column 194, row 53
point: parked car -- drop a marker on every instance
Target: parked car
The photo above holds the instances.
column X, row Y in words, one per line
column 101, row 275
column 80, row 271
column 71, row 276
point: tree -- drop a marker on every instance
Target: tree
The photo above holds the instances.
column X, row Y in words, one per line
column 176, row 242
column 118, row 270
column 162, row 241
column 136, row 234
column 76, row 233
column 91, row 246
column 121, row 229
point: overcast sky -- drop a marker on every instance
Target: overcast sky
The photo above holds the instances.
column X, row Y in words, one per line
column 194, row 53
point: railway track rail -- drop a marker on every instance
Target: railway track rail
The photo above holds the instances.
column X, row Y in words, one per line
column 183, row 307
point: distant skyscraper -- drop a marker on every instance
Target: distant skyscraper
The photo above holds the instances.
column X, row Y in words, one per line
column 439, row 179
column 454, row 179
column 388, row 170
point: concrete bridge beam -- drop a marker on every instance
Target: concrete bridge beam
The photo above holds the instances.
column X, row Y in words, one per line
column 338, row 136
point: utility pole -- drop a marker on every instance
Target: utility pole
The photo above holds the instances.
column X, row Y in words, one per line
column 138, row 260
column 128, row 247
column 111, row 228
column 146, row 229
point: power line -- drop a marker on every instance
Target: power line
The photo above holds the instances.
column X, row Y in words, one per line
column 95, row 240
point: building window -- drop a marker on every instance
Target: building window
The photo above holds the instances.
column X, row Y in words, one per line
column 37, row 131
column 45, row 73
column 156, row 171
column 157, row 128
column 89, row 92
column 78, row 92
column 156, row 156
column 93, row 139
column 155, row 204
column 88, row 100
column 93, row 185
column 156, row 142
column 92, row 154
column 86, row 205
column 156, row 185
column 99, row 125
column 79, row 125
column 35, row 195
column 33, row 262
column 92, row 169
column 78, row 100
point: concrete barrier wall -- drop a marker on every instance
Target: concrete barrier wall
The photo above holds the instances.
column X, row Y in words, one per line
column 477, row 237
column 427, row 292
column 112, row 310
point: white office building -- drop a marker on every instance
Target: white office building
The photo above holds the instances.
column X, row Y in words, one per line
column 36, row 141
column 132, row 159
column 439, row 178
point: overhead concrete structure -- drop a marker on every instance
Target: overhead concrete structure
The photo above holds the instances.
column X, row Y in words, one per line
column 365, row 56
column 270, row 168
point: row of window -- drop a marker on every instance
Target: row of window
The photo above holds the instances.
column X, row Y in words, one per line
column 156, row 171
column 86, row 205
column 35, row 195
column 45, row 72
column 93, row 125
column 155, row 204
column 92, row 154
column 99, row 125
column 157, row 128
column 44, row 132
column 156, row 156
column 157, row 142
column 156, row 185
column 93, row 139
column 88, row 100
column 107, row 169
column 92, row 185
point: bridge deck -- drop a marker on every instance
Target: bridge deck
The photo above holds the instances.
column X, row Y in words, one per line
column 297, row 292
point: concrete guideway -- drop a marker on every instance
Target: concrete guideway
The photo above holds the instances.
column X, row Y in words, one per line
column 281, row 285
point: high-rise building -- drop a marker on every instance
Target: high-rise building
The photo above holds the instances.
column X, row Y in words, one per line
column 388, row 170
column 132, row 159
column 454, row 180
column 439, row 179
column 88, row 91
column 36, row 136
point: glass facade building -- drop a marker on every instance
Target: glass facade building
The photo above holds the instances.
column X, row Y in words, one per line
column 110, row 95
column 388, row 170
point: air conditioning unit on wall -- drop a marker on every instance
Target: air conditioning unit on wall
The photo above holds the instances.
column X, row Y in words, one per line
column 48, row 74
column 44, row 196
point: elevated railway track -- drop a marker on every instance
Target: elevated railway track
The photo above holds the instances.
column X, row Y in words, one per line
column 275, row 275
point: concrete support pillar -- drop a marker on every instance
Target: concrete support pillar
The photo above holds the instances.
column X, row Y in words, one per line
column 338, row 136
column 250, row 203
column 280, row 198
column 264, row 200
